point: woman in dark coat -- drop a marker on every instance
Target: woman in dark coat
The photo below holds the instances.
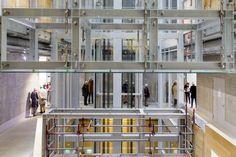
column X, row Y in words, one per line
column 85, row 93
column 34, row 98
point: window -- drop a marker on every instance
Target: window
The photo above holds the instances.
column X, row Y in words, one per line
column 174, row 4
column 167, row 4
column 128, row 4
column 108, row 4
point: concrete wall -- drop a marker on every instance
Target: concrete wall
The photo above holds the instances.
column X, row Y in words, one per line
column 14, row 89
column 210, row 142
column 205, row 90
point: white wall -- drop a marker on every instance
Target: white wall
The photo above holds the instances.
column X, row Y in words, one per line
column 192, row 78
column 168, row 43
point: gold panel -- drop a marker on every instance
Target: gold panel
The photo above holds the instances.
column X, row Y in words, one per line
column 106, row 147
column 129, row 147
column 18, row 3
column 44, row 3
column 211, row 4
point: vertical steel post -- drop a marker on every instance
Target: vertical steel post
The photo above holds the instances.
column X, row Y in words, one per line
column 34, row 44
column 3, row 38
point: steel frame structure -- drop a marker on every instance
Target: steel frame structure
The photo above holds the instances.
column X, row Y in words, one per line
column 77, row 14
column 55, row 122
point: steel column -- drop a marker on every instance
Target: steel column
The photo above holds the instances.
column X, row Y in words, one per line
column 54, row 77
column 180, row 58
column 3, row 39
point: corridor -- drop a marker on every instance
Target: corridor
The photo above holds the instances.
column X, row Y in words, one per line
column 18, row 141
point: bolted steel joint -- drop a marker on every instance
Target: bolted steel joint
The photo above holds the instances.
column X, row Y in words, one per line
column 6, row 13
column 75, row 2
column 75, row 23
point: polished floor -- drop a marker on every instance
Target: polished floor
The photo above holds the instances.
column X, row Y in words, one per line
column 18, row 141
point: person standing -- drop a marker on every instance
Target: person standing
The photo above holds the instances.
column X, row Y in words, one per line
column 34, row 99
column 49, row 91
column 85, row 92
column 42, row 99
column 193, row 91
column 174, row 91
column 125, row 88
column 90, row 90
column 146, row 95
column 187, row 93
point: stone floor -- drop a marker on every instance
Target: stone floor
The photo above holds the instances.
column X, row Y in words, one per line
column 18, row 141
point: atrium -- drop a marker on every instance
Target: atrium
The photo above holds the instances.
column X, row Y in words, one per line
column 117, row 78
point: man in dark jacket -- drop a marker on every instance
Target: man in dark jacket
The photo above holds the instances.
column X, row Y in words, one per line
column 125, row 87
column 34, row 98
column 193, row 91
column 146, row 94
column 85, row 92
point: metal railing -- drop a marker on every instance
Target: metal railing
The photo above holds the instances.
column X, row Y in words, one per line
column 81, row 132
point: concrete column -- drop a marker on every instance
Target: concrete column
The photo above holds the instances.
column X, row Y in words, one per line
column 88, row 52
column 198, row 46
column 170, row 81
column 63, row 84
column 117, row 80
column 228, row 37
column 68, row 90
column 141, row 59
column 54, row 76
column 75, row 90
column 180, row 58
column 198, row 42
column 160, row 79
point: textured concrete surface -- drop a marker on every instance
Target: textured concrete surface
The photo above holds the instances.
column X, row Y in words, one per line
column 14, row 89
column 19, row 140
column 205, row 91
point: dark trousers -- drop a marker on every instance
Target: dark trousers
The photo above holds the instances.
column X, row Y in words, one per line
column 145, row 101
column 193, row 99
column 187, row 97
column 85, row 100
column 90, row 97
column 175, row 102
column 34, row 110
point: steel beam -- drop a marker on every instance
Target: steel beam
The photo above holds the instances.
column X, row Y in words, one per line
column 123, row 137
column 99, row 26
column 116, row 113
column 110, row 13
column 33, row 65
column 113, row 67
column 125, row 13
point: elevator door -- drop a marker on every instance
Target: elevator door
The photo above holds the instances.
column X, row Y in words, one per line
column 219, row 100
